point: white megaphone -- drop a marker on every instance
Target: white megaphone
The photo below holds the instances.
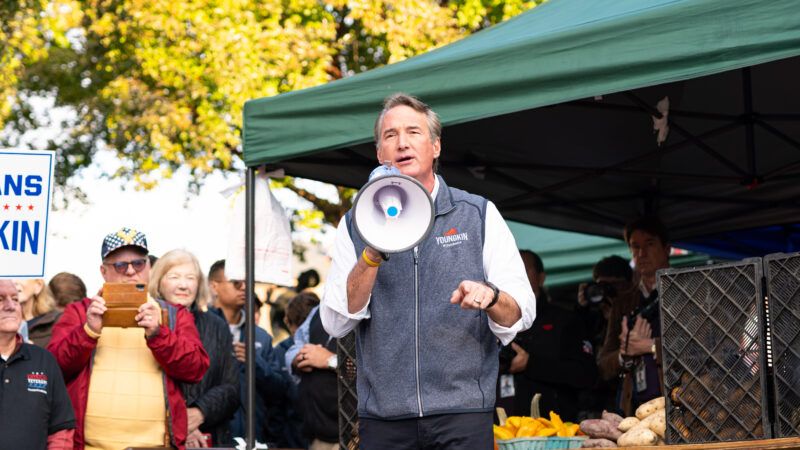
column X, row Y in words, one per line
column 393, row 212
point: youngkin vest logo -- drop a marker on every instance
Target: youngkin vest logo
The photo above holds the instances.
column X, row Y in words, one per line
column 451, row 238
column 37, row 382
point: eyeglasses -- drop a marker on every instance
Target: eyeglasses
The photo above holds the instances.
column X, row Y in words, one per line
column 237, row 284
column 121, row 267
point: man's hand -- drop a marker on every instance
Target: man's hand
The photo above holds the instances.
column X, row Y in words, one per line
column 472, row 295
column 640, row 341
column 240, row 352
column 148, row 317
column 94, row 314
column 195, row 439
column 194, row 418
column 312, row 356
column 520, row 361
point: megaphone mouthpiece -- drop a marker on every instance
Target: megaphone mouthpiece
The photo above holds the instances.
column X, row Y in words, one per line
column 389, row 199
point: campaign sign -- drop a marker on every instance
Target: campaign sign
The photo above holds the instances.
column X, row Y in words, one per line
column 25, row 186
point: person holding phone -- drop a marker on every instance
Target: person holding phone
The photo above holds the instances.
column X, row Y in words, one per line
column 105, row 368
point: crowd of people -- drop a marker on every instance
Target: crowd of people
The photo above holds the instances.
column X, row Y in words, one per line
column 444, row 333
column 175, row 379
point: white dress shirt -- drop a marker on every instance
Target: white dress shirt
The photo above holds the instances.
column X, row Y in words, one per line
column 502, row 265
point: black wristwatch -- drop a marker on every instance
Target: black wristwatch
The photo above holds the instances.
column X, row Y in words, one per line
column 495, row 291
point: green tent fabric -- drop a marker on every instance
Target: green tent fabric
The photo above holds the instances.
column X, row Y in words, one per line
column 550, row 115
column 559, row 51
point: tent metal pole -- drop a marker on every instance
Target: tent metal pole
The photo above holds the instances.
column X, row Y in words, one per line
column 250, row 366
column 604, row 105
column 750, row 140
column 778, row 133
column 658, row 152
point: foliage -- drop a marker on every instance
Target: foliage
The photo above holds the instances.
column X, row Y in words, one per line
column 162, row 83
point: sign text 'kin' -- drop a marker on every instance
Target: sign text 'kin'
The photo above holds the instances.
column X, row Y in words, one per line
column 25, row 187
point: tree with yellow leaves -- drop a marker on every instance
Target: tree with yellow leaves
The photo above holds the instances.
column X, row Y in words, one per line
column 162, row 83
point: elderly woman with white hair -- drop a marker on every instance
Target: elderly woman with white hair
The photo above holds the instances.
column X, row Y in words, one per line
column 176, row 277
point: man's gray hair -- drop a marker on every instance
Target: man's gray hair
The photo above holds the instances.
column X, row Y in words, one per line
column 400, row 99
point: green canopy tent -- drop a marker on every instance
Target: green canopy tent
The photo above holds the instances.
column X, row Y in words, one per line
column 550, row 115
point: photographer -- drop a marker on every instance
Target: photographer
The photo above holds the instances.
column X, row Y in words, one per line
column 612, row 277
column 632, row 341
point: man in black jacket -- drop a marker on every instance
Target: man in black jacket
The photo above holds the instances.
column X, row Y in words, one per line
column 554, row 357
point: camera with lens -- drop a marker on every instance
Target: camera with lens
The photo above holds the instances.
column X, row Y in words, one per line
column 595, row 293
column 648, row 310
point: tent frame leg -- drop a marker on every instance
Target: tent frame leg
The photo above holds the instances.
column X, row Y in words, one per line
column 250, row 326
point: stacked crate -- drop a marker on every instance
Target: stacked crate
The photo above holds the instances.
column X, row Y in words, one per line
column 715, row 370
column 783, row 288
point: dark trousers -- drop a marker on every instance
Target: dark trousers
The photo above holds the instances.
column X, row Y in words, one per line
column 465, row 431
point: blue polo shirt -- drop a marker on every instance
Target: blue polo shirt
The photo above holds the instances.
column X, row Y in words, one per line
column 33, row 399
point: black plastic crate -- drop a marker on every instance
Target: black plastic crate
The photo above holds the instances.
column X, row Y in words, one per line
column 715, row 372
column 348, row 397
column 783, row 288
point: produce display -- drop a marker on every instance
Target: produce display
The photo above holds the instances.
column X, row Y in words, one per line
column 647, row 427
column 535, row 432
column 518, row 426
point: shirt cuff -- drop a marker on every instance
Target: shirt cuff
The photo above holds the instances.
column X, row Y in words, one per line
column 358, row 315
column 506, row 334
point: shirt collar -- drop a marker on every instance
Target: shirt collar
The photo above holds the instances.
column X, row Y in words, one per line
column 435, row 188
column 17, row 346
column 643, row 289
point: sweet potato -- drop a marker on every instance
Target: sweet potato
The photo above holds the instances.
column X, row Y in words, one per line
column 627, row 423
column 637, row 436
column 657, row 422
column 600, row 429
column 650, row 407
column 615, row 419
column 598, row 443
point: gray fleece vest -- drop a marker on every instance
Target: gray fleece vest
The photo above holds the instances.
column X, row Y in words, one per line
column 418, row 354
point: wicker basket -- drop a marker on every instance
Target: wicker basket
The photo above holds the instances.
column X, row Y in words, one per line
column 540, row 443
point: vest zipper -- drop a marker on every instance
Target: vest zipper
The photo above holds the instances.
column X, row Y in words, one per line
column 416, row 324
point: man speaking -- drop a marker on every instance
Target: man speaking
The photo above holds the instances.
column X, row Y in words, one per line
column 428, row 319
